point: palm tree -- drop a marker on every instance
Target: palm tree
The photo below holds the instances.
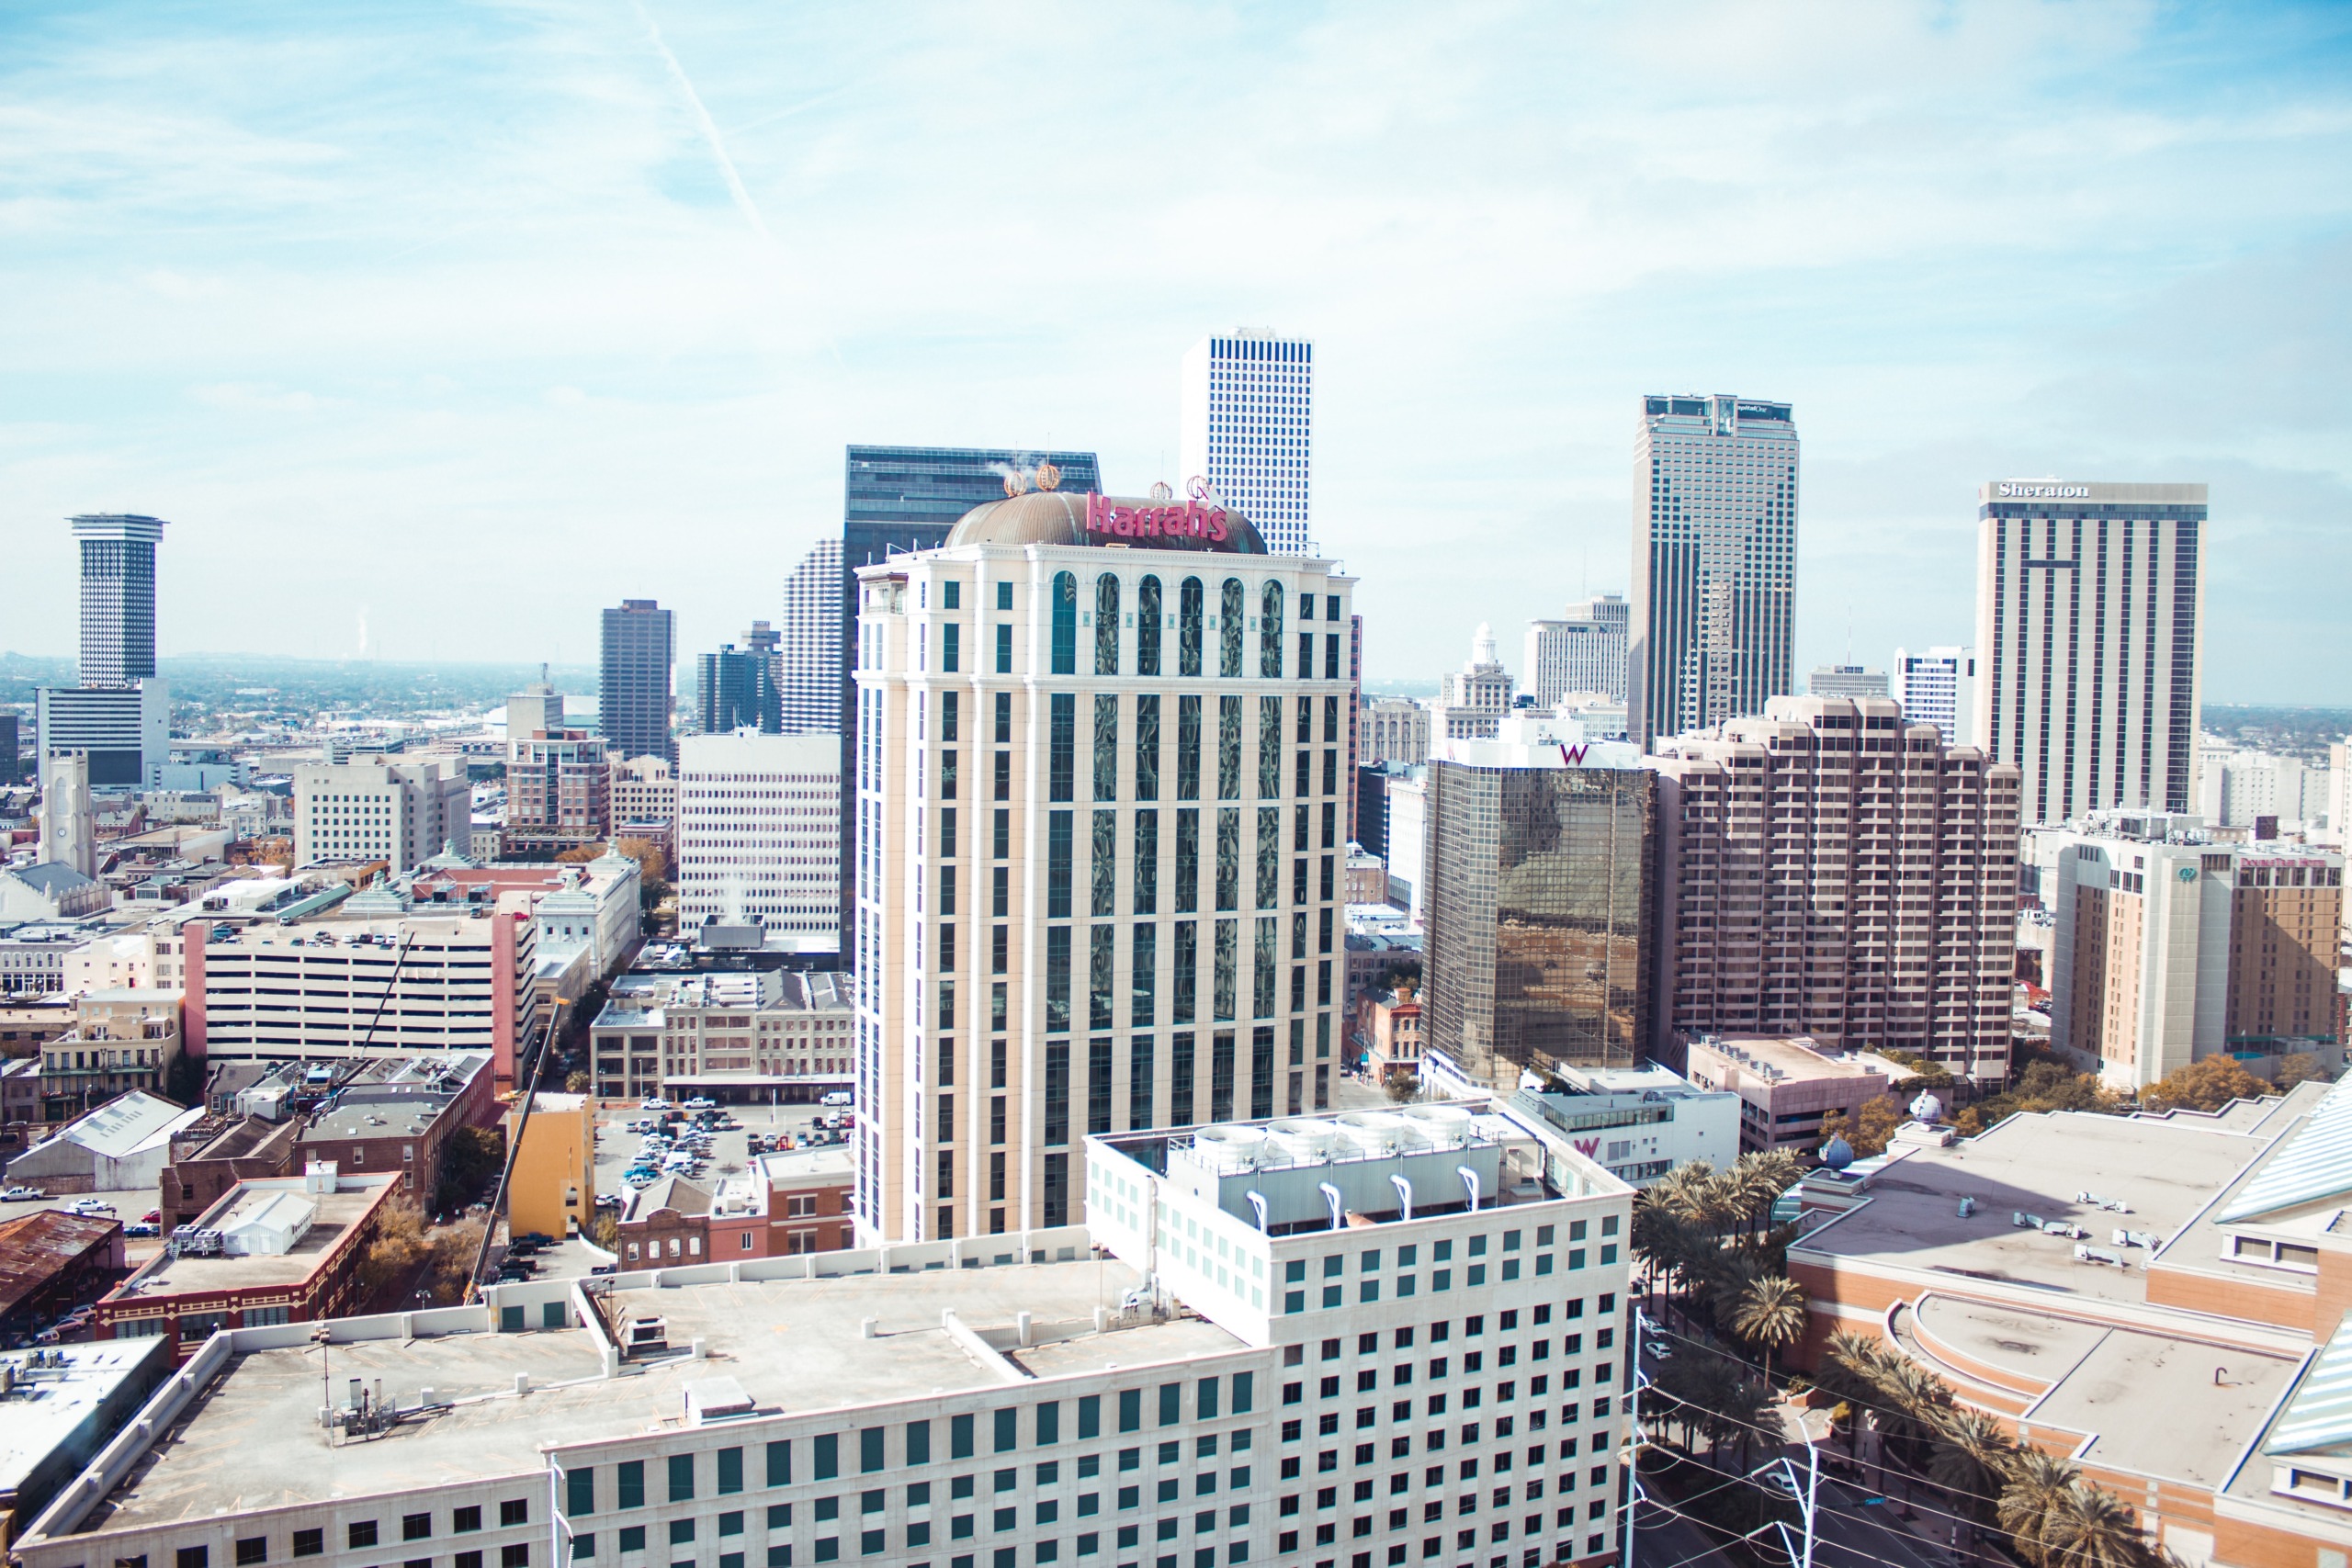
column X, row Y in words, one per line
column 2037, row 1480
column 1971, row 1458
column 1770, row 1312
column 2088, row 1526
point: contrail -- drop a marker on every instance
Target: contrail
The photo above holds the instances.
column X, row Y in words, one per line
column 735, row 187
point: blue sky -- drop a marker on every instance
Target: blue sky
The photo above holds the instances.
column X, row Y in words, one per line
column 457, row 322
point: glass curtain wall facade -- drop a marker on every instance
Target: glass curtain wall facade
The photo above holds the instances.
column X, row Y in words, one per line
column 1539, row 916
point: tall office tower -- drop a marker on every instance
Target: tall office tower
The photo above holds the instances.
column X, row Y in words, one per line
column 1100, row 813
column 1851, row 681
column 1538, row 904
column 759, row 835
column 118, row 596
column 633, row 699
column 1472, row 700
column 810, row 642
column 11, row 770
column 119, row 715
column 68, row 830
column 401, row 813
column 1829, row 870
column 1715, row 562
column 558, row 791
column 1937, row 686
column 2170, row 948
column 2087, row 621
column 1247, row 426
column 1582, row 651
column 735, row 688
column 901, row 498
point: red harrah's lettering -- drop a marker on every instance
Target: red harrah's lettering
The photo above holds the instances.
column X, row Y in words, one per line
column 1191, row 520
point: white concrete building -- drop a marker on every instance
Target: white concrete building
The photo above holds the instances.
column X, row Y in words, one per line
column 1642, row 1123
column 1436, row 1383
column 1472, row 700
column 2237, row 788
column 1938, row 686
column 1100, row 816
column 759, row 834
column 68, row 826
column 1247, row 427
column 1715, row 562
column 2088, row 633
column 402, row 813
column 1582, row 651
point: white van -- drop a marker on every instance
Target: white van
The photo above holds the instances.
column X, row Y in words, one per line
column 838, row 1096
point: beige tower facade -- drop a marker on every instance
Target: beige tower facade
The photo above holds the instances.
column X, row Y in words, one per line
column 1100, row 818
column 1827, row 870
column 68, row 830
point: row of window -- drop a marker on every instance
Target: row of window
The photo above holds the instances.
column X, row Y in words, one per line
column 361, row 1534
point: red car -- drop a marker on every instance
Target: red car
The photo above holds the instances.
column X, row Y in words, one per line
column 153, row 1216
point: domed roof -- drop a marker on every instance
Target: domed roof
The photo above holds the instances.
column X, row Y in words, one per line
column 1061, row 517
column 1836, row 1153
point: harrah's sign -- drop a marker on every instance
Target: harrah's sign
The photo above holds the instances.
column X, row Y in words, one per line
column 1187, row 520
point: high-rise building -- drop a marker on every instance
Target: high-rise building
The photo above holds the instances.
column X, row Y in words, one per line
column 401, row 812
column 1396, row 732
column 645, row 803
column 536, row 710
column 2088, row 624
column 901, row 498
column 120, row 713
column 2239, row 788
column 736, row 688
column 759, row 835
column 1826, row 870
column 811, row 641
column 1472, row 700
column 1582, row 651
column 633, row 699
column 1247, row 427
column 1715, row 562
column 68, row 829
column 1851, row 681
column 1938, row 686
column 558, row 791
column 1100, row 824
column 1538, row 865
column 11, row 768
column 118, row 597
column 2170, row 948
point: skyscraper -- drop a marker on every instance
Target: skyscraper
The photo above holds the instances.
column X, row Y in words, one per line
column 2087, row 628
column 120, row 712
column 1715, row 562
column 810, row 643
column 1938, row 686
column 118, row 596
column 1247, row 426
column 759, row 835
column 1100, row 815
column 633, row 700
column 735, row 689
column 901, row 498
column 1582, row 651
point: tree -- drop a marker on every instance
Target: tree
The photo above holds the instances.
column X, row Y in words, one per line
column 1971, row 1458
column 605, row 1232
column 1770, row 1313
column 1869, row 1130
column 2089, row 1526
column 2037, row 1480
column 396, row 1249
column 455, row 1248
column 1402, row 1087
column 578, row 1082
column 2299, row 1067
column 580, row 854
column 469, row 1157
column 653, row 865
column 2207, row 1085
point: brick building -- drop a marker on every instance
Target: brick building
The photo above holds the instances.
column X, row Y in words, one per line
column 51, row 1261
column 784, row 1205
column 399, row 1116
column 208, row 1159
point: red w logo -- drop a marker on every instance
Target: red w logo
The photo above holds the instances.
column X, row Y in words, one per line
column 1572, row 755
column 1586, row 1146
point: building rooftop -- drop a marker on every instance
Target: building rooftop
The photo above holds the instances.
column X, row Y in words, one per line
column 35, row 1246
column 833, row 1161
column 252, row 1440
column 123, row 1125
column 47, row 1402
column 1794, row 1058
column 249, row 1206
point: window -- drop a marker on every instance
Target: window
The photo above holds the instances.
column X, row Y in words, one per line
column 515, row 1511
column 253, row 1549
column 197, row 1556
column 1269, row 633
column 682, row 1476
column 1228, row 747
column 469, row 1518
column 1188, row 748
column 1147, row 615
column 309, row 1543
column 1062, row 745
column 414, row 1527
column 1188, row 626
column 1106, row 625
column 1064, row 618
column 515, row 1554
column 1228, row 625
column 360, row 1532
column 1147, row 747
column 1106, row 747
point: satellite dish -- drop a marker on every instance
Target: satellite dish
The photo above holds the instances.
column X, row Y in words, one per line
column 1927, row 1108
column 1836, row 1153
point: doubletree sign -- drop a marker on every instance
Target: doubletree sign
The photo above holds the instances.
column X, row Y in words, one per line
column 1192, row 519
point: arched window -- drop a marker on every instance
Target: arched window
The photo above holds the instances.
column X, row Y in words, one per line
column 1065, row 623
column 1188, row 626
column 1228, row 625
column 1270, row 632
column 1148, row 613
column 1106, row 625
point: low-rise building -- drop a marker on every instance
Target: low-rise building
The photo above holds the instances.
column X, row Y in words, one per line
column 1642, row 1123
column 645, row 802
column 284, row 1249
column 207, row 1159
column 20, row 1110
column 34, row 954
column 379, row 808
column 745, row 1036
column 397, row 1116
column 121, row 1146
column 49, row 891
column 58, row 1407
column 1364, row 880
column 50, row 1262
column 1787, row 1085
column 551, row 1186
column 123, row 1040
column 1172, row 1387
column 1388, row 1034
column 782, row 1205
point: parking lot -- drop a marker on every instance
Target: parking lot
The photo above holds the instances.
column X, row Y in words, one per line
column 730, row 1152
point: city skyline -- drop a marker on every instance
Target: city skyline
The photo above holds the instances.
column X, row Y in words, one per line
column 627, row 345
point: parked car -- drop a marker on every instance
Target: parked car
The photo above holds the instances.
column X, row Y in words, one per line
column 142, row 1227
column 21, row 1194
column 699, row 1104
column 91, row 1206
column 838, row 1097
column 608, row 1200
column 606, row 1268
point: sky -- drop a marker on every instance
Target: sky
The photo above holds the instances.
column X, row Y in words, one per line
column 433, row 328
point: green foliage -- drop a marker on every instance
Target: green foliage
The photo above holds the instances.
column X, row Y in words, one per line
column 2047, row 1084
column 470, row 1157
